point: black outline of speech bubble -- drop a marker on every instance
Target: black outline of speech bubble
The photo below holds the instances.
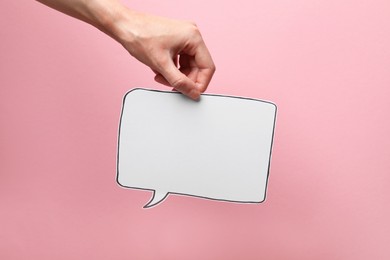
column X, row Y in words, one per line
column 184, row 194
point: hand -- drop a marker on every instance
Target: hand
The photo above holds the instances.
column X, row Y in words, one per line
column 163, row 45
column 160, row 43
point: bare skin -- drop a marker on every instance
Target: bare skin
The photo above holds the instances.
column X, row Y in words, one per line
column 173, row 49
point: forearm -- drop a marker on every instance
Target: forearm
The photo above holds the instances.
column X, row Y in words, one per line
column 102, row 14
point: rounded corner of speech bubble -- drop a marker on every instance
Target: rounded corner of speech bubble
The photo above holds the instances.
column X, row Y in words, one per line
column 118, row 180
column 274, row 106
column 262, row 200
column 157, row 198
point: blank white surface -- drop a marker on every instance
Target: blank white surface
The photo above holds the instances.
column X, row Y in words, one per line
column 217, row 148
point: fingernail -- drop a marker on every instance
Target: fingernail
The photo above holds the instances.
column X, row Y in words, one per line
column 194, row 94
column 199, row 86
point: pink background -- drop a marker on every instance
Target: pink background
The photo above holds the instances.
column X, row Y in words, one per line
column 326, row 64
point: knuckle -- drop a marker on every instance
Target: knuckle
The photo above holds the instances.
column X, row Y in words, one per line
column 194, row 30
column 213, row 68
column 192, row 23
column 178, row 83
column 160, row 63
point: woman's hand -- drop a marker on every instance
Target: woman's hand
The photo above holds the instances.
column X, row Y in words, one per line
column 173, row 49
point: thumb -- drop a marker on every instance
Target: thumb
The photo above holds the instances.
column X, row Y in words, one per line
column 179, row 81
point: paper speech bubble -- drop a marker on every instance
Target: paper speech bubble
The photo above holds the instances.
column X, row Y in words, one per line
column 216, row 148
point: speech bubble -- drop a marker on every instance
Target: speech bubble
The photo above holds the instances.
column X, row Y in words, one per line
column 216, row 148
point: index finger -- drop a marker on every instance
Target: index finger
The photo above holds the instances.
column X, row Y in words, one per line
column 206, row 66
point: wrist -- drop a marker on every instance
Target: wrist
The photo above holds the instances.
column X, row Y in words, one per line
column 110, row 18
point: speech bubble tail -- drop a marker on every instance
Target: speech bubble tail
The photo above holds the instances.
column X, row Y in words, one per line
column 158, row 196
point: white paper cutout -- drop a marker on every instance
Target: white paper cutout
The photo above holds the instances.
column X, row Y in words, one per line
column 216, row 148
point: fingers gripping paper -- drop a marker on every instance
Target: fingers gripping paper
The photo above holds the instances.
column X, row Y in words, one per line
column 217, row 148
